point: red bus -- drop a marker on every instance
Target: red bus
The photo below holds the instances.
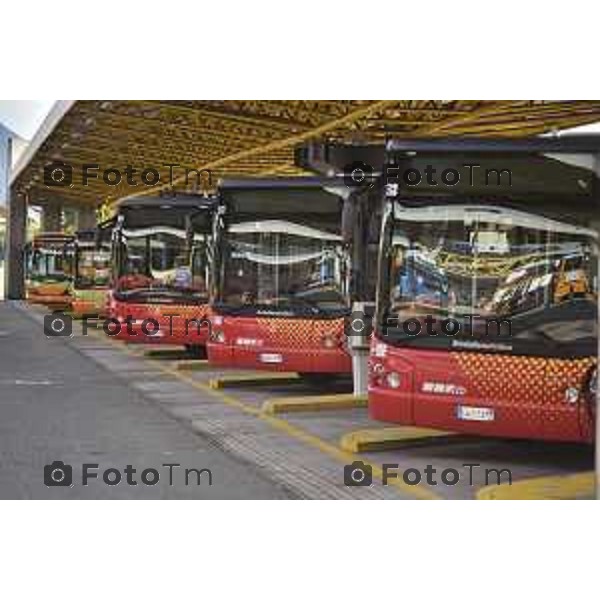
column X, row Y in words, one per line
column 90, row 257
column 161, row 268
column 48, row 274
column 287, row 268
column 486, row 319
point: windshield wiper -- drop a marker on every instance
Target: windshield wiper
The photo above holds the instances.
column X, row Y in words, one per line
column 313, row 305
column 162, row 292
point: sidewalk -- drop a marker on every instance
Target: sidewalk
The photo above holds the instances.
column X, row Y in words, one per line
column 57, row 404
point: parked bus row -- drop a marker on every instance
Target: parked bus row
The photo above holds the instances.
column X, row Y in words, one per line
column 264, row 274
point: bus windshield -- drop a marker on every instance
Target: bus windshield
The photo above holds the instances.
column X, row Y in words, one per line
column 92, row 267
column 281, row 265
column 490, row 264
column 163, row 264
column 47, row 264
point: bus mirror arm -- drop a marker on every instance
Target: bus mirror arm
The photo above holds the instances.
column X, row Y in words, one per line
column 349, row 214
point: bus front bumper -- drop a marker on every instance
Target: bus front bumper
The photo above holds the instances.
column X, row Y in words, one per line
column 299, row 360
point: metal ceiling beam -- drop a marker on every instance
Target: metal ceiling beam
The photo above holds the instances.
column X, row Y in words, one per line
column 297, row 139
column 259, row 137
column 263, row 121
column 484, row 110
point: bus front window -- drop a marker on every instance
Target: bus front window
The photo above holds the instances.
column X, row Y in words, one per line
column 47, row 265
column 93, row 267
column 284, row 266
column 474, row 264
column 163, row 263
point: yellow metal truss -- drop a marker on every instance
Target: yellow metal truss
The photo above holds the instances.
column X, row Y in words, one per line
column 258, row 137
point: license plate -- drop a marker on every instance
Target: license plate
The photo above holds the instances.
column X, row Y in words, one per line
column 475, row 413
column 271, row 358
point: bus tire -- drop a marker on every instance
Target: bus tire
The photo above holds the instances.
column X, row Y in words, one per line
column 196, row 350
column 316, row 379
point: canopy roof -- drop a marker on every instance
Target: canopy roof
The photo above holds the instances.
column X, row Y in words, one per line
column 252, row 137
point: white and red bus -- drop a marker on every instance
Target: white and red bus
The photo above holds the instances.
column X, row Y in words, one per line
column 161, row 259
column 486, row 319
column 287, row 268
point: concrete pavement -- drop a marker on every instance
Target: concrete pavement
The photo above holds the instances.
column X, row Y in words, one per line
column 92, row 399
column 56, row 404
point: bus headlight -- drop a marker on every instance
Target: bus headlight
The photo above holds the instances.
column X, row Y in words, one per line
column 219, row 336
column 393, row 379
column 329, row 341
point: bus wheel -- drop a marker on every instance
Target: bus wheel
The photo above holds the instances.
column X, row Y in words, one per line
column 195, row 350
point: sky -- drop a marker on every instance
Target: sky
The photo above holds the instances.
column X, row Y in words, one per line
column 24, row 116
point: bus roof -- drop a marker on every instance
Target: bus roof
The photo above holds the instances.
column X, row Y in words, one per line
column 174, row 200
column 167, row 210
column 51, row 238
column 253, row 183
column 291, row 199
column 583, row 143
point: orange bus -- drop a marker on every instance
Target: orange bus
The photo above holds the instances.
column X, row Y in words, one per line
column 90, row 257
column 48, row 275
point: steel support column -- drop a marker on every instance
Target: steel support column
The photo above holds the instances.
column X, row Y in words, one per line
column 16, row 225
